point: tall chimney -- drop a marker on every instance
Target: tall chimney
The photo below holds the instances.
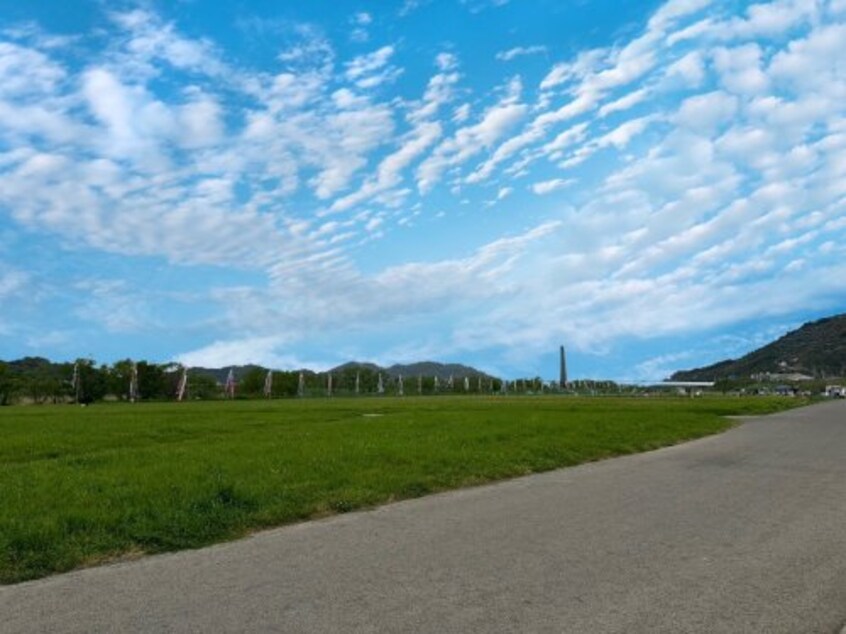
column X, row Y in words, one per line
column 563, row 378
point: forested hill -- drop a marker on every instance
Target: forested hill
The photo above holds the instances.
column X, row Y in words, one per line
column 423, row 368
column 441, row 370
column 817, row 349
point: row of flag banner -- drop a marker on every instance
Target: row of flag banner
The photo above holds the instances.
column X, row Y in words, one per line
column 229, row 387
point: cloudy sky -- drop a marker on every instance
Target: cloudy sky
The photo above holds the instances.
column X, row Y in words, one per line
column 655, row 185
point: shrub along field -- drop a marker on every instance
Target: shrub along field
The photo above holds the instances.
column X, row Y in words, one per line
column 85, row 485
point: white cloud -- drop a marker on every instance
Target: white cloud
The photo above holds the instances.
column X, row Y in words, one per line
column 773, row 18
column 446, row 62
column 151, row 39
column 372, row 69
column 310, row 53
column 360, row 21
column 504, row 192
column 389, row 172
column 690, row 70
column 707, row 112
column 349, row 136
column 112, row 305
column 440, row 89
column 547, row 187
column 468, row 141
column 671, row 11
column 12, row 282
column 520, row 51
column 249, row 350
column 586, row 62
column 622, row 135
column 625, row 102
column 26, row 72
column 532, row 134
column 590, row 78
column 812, row 63
column 659, row 368
column 135, row 122
column 703, row 29
column 740, row 69
column 47, row 121
column 567, row 138
column 391, row 296
column 200, row 122
column 462, row 113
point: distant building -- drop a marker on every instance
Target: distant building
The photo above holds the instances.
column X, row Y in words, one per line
column 694, row 388
column 781, row 376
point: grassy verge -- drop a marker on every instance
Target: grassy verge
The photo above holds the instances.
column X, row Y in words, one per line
column 84, row 485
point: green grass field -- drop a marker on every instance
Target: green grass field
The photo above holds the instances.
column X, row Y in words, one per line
column 80, row 486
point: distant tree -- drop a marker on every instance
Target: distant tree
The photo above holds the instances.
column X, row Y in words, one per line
column 153, row 383
column 344, row 380
column 202, row 386
column 118, row 378
column 252, row 383
column 93, row 381
column 8, row 384
column 42, row 384
column 368, row 380
column 34, row 378
column 285, row 383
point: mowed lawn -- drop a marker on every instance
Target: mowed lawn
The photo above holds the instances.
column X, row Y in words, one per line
column 84, row 485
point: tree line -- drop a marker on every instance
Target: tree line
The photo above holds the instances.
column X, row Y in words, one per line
column 38, row 380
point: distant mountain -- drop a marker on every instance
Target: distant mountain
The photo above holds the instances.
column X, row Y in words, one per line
column 424, row 368
column 357, row 365
column 816, row 349
column 220, row 374
column 431, row 368
column 33, row 364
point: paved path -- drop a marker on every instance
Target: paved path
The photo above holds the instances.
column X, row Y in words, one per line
column 742, row 532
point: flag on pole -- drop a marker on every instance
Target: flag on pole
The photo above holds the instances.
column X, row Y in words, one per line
column 133, row 384
column 329, row 385
column 466, row 384
column 301, row 385
column 268, row 384
column 76, row 383
column 380, row 387
column 229, row 388
column 400, row 390
column 357, row 383
column 183, row 385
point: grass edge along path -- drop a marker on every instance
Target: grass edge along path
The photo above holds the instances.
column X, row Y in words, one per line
column 83, row 486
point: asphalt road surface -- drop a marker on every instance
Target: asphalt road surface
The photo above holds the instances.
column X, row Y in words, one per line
column 742, row 532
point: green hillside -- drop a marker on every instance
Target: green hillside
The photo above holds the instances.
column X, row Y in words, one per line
column 816, row 349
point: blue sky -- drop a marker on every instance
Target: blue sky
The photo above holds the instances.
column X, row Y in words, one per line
column 655, row 185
